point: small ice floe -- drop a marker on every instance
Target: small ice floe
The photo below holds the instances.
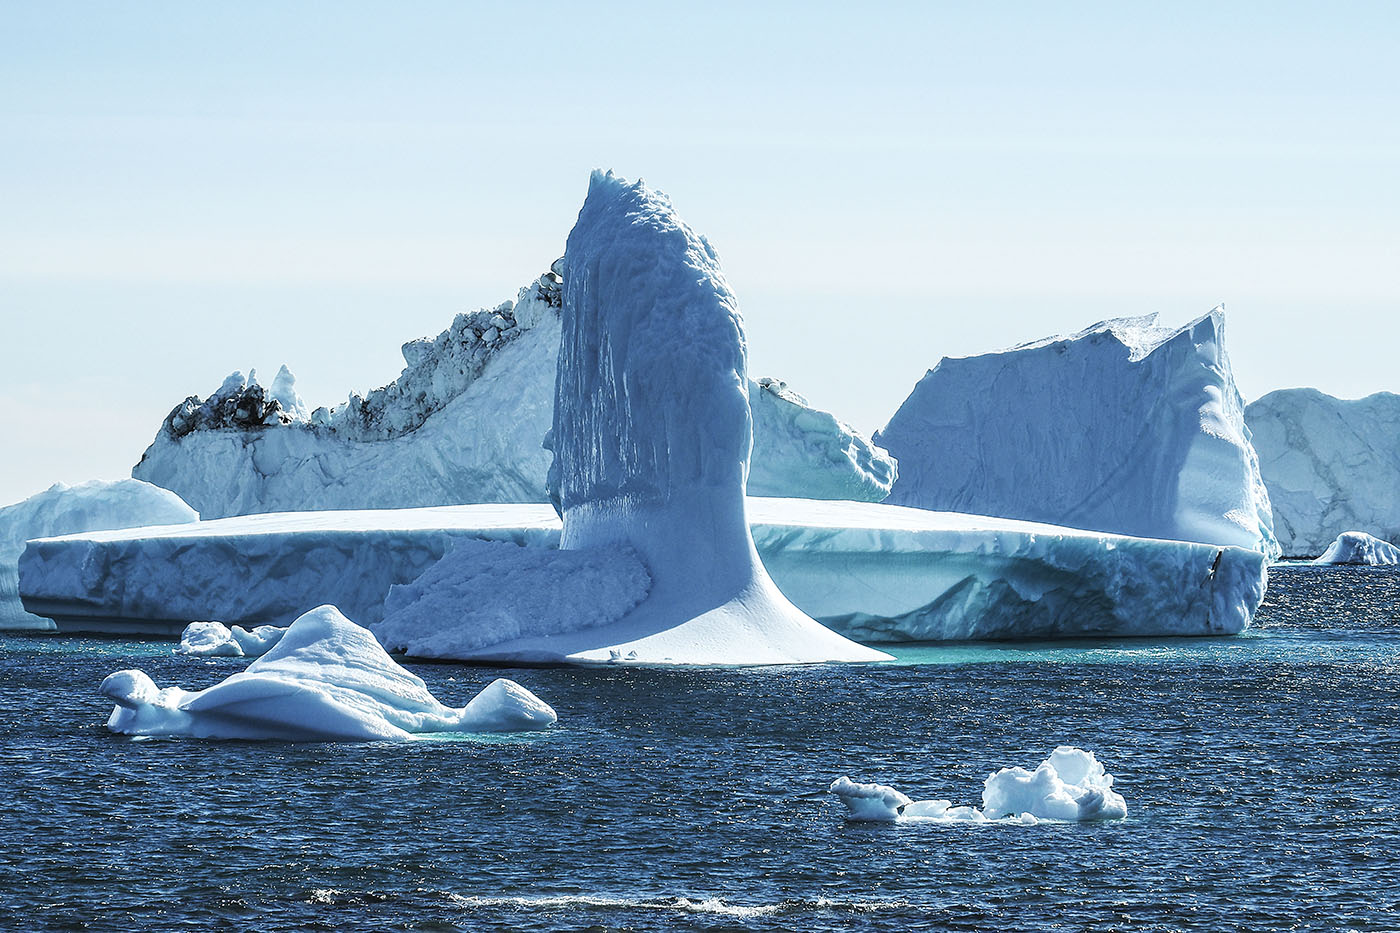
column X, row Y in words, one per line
column 1357, row 547
column 326, row 679
column 216, row 640
column 1069, row 786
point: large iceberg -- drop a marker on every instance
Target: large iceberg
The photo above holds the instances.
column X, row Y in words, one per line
column 463, row 423
column 1126, row 427
column 1069, row 786
column 652, row 436
column 61, row 509
column 871, row 571
column 327, row 679
column 1331, row 465
column 1357, row 547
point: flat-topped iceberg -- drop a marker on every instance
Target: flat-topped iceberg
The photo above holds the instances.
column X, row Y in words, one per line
column 871, row 571
column 327, row 679
column 1126, row 427
column 652, row 436
column 96, row 505
column 1331, row 465
column 1069, row 786
column 463, row 423
column 1357, row 547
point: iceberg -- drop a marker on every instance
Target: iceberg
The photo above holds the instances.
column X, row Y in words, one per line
column 463, row 423
column 327, row 679
column 1331, row 465
column 1357, row 547
column 1069, row 786
column 652, row 436
column 871, row 571
column 61, row 509
column 216, row 640
column 1127, row 427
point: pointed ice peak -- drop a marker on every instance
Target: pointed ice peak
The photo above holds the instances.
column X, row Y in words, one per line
column 233, row 383
column 252, row 378
column 285, row 394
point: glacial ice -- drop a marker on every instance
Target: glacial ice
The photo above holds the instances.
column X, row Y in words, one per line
column 216, row 640
column 1126, row 427
column 327, row 679
column 463, row 423
column 486, row 592
column 871, row 571
column 652, row 436
column 1069, row 786
column 62, row 509
column 1331, row 465
column 1357, row 547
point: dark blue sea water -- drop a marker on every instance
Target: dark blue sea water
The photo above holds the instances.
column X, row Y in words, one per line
column 1262, row 775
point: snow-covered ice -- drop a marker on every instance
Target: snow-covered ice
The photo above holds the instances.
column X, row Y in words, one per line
column 652, row 436
column 214, row 639
column 1069, row 786
column 872, row 571
column 485, row 592
column 1357, row 547
column 327, row 679
column 1332, row 465
column 463, row 423
column 61, row 509
column 1126, row 427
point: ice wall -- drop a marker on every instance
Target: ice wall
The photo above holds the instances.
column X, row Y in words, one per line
column 96, row 505
column 1126, row 427
column 1331, row 465
column 463, row 423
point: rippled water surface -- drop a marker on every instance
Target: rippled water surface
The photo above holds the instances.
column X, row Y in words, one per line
column 1262, row 775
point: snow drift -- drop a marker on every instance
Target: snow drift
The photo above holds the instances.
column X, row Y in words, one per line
column 652, row 436
column 61, row 509
column 327, row 679
column 463, row 423
column 1126, row 427
column 1331, row 465
column 1357, row 547
column 1069, row 786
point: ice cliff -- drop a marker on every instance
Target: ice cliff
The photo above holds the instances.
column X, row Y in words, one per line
column 1126, row 427
column 652, row 435
column 1331, row 465
column 96, row 505
column 463, row 423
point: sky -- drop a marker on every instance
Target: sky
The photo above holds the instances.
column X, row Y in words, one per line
column 190, row 189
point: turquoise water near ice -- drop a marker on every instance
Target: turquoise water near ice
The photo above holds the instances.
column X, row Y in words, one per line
column 1262, row 775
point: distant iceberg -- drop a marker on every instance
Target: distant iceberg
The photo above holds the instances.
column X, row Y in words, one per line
column 327, row 679
column 1069, row 786
column 463, row 423
column 1357, row 547
column 96, row 505
column 1332, row 465
column 1126, row 427
column 216, row 640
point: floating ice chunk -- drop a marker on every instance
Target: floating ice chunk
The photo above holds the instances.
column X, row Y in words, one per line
column 485, row 592
column 214, row 639
column 327, row 679
column 96, row 505
column 1357, row 547
column 1069, row 786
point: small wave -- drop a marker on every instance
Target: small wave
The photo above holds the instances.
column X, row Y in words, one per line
column 710, row 905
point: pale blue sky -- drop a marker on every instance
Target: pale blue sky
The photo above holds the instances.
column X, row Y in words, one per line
column 192, row 188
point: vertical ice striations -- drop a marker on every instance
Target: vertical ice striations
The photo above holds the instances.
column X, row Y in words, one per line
column 652, row 437
column 1126, row 427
